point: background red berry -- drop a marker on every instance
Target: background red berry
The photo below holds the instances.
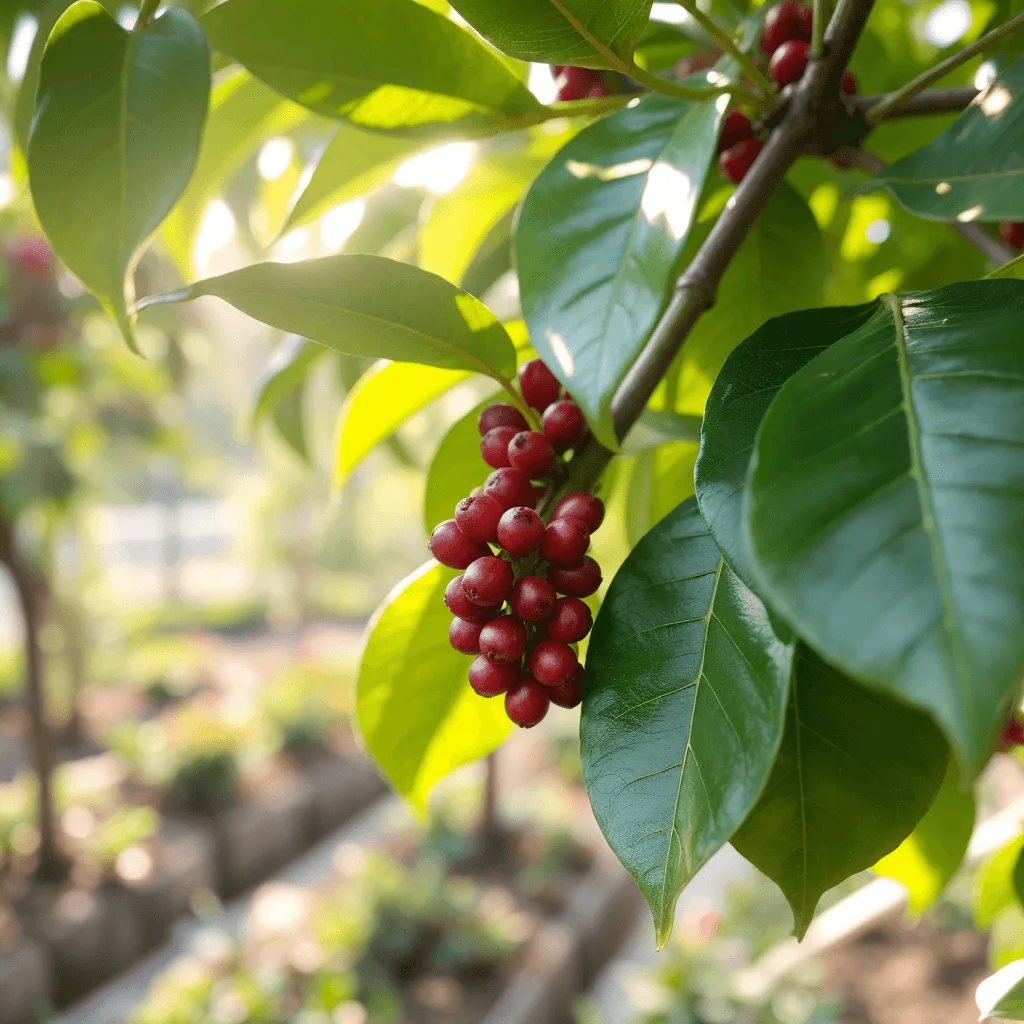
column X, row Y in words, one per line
column 503, row 640
column 789, row 62
column 460, row 606
column 570, row 622
column 565, row 541
column 451, row 547
column 509, row 488
column 539, row 385
column 564, row 424
column 489, row 679
column 736, row 127
column 577, row 83
column 570, row 693
column 501, row 415
column 582, row 505
column 531, row 453
column 488, row 581
column 494, row 446
column 1013, row 233
column 477, row 518
column 533, row 599
column 737, row 160
column 464, row 635
column 579, row 580
column 552, row 663
column 520, row 531
column 849, row 84
column 783, row 22
column 527, row 704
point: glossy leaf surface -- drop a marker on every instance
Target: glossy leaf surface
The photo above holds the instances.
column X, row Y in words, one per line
column 390, row 64
column 683, row 711
column 854, row 775
column 417, row 712
column 117, row 130
column 599, row 237
column 974, row 170
column 887, row 503
column 369, row 306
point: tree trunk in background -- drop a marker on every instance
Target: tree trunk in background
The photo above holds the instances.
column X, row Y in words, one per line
column 69, row 616
column 490, row 830
column 30, row 590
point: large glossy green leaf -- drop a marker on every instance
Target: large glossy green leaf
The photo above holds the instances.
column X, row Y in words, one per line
column 588, row 33
column 928, row 858
column 887, row 505
column 599, row 237
column 287, row 369
column 684, row 708
column 390, row 64
column 368, row 306
column 417, row 712
column 1001, row 997
column 116, row 134
column 855, row 774
column 974, row 170
column 383, row 399
column 741, row 395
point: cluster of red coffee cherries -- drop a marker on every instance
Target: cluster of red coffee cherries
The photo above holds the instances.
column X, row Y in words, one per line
column 524, row 652
column 786, row 43
column 579, row 83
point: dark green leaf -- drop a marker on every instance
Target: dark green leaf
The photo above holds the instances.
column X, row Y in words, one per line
column 368, row 306
column 684, row 708
column 390, row 64
column 115, row 138
column 887, row 505
column 588, row 33
column 974, row 170
column 286, row 371
column 599, row 237
column 855, row 774
column 741, row 395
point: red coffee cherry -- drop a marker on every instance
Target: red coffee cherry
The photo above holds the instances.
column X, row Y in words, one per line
column 737, row 160
column 1013, row 233
column 849, row 84
column 1012, row 735
column 570, row 622
column 527, row 704
column 509, row 488
column 494, row 446
column 520, row 531
column 501, row 415
column 533, row 599
column 477, row 518
column 539, row 385
column 33, row 254
column 578, row 82
column 578, row 580
column 736, row 128
column 464, row 636
column 565, row 541
column 488, row 581
column 489, row 679
column 552, row 663
column 570, row 693
column 582, row 505
column 789, row 62
column 503, row 640
column 462, row 608
column 785, row 21
column 564, row 424
column 451, row 547
column 531, row 453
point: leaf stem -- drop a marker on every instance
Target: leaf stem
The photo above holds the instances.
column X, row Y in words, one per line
column 896, row 99
column 517, row 400
column 698, row 94
column 931, row 101
column 727, row 44
column 146, row 14
column 818, row 28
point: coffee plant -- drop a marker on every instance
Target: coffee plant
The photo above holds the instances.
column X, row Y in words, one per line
column 813, row 441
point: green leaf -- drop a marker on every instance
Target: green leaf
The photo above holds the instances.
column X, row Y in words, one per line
column 116, row 134
column 659, row 480
column 660, row 426
column 886, row 503
column 684, row 708
column 455, row 469
column 353, row 163
column 928, row 858
column 588, row 33
column 1002, row 995
column 392, row 64
column 367, row 306
column 25, row 105
column 994, row 883
column 599, row 237
column 286, row 371
column 383, row 399
column 855, row 774
column 741, row 395
column 289, row 416
column 974, row 170
column 417, row 713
